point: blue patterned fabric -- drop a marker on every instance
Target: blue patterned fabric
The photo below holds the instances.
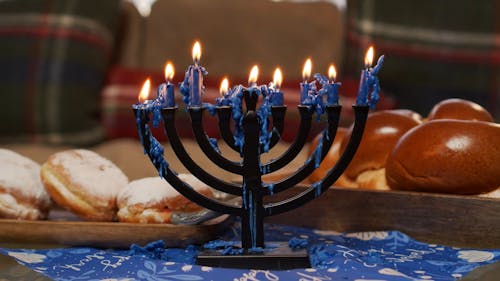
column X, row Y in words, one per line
column 382, row 255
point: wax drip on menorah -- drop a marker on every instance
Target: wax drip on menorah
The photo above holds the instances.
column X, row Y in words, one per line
column 258, row 115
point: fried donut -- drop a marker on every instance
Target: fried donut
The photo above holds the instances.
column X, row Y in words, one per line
column 22, row 195
column 84, row 183
column 152, row 200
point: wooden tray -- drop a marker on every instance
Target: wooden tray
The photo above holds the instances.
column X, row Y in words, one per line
column 108, row 234
column 454, row 220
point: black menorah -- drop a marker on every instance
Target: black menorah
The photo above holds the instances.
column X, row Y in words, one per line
column 252, row 189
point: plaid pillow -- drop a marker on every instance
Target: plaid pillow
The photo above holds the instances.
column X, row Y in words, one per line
column 434, row 49
column 54, row 56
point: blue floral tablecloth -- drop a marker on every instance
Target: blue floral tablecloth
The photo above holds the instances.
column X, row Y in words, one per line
column 382, row 255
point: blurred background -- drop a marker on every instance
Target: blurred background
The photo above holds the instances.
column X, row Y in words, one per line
column 70, row 69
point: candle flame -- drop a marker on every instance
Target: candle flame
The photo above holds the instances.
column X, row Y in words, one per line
column 144, row 93
column 369, row 57
column 224, row 86
column 277, row 78
column 332, row 72
column 196, row 51
column 306, row 71
column 254, row 73
column 169, row 71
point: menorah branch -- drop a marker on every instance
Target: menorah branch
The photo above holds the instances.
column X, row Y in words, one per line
column 168, row 115
column 155, row 153
column 316, row 189
column 298, row 143
column 207, row 147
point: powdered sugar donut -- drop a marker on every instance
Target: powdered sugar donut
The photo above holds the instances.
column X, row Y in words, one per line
column 84, row 183
column 152, row 200
column 22, row 195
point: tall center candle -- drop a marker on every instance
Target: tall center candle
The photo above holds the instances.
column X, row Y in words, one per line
column 196, row 77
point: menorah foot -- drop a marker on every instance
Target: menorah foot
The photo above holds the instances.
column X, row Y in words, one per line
column 277, row 256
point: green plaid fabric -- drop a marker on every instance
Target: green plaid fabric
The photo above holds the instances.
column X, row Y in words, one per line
column 434, row 49
column 54, row 56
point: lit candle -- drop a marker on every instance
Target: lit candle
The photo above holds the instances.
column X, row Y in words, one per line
column 192, row 86
column 252, row 80
column 169, row 75
column 369, row 86
column 304, row 86
column 143, row 96
column 225, row 97
column 275, row 95
column 332, row 94
column 362, row 98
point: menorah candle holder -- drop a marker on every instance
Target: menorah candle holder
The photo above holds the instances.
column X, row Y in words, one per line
column 252, row 189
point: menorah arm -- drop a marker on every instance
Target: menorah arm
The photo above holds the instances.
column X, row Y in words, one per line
column 224, row 114
column 320, row 152
column 294, row 149
column 206, row 146
column 317, row 188
column 155, row 152
column 278, row 114
column 195, row 169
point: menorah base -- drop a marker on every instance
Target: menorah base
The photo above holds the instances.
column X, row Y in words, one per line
column 277, row 257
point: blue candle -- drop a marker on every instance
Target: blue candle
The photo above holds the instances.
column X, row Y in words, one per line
column 225, row 94
column 305, row 86
column 169, row 75
column 369, row 85
column 332, row 93
column 253, row 89
column 192, row 86
column 275, row 95
column 144, row 103
column 362, row 98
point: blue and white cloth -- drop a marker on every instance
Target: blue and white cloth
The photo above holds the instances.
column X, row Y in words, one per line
column 381, row 255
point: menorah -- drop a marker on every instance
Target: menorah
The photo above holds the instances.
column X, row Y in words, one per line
column 258, row 132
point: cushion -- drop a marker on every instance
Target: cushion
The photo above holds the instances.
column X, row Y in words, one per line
column 434, row 50
column 54, row 56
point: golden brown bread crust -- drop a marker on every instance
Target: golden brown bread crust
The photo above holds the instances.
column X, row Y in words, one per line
column 383, row 129
column 447, row 156
column 459, row 109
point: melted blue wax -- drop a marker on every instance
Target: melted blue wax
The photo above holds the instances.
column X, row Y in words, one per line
column 314, row 99
column 297, row 243
column 156, row 153
column 156, row 114
column 317, row 188
column 328, row 89
column 369, row 86
column 210, row 107
column 271, row 188
column 237, row 97
column 217, row 244
column 156, row 250
column 264, row 112
column 317, row 152
column 185, row 87
column 213, row 142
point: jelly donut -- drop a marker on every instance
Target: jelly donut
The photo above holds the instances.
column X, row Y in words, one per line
column 22, row 195
column 84, row 183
